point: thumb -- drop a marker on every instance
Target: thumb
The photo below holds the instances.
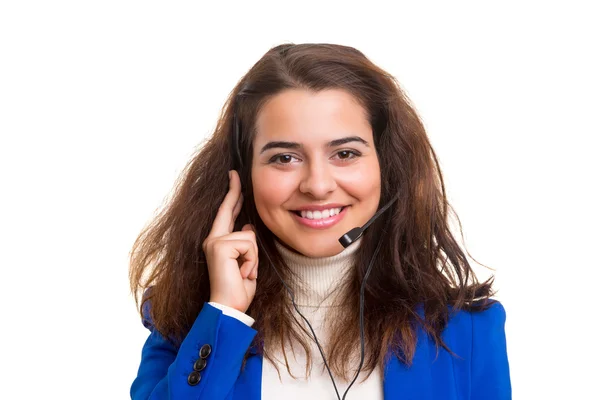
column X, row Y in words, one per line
column 254, row 273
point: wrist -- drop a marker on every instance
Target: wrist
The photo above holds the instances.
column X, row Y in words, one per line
column 233, row 312
column 229, row 304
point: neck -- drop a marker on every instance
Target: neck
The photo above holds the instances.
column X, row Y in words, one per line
column 317, row 278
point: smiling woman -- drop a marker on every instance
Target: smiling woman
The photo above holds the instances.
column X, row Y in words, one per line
column 312, row 183
column 314, row 141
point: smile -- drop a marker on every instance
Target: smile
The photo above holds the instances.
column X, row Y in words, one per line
column 320, row 219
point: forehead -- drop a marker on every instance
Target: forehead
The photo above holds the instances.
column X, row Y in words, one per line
column 306, row 116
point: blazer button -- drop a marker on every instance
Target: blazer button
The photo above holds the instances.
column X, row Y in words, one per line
column 194, row 378
column 200, row 364
column 205, row 351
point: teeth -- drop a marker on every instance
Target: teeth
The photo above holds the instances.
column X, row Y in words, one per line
column 320, row 214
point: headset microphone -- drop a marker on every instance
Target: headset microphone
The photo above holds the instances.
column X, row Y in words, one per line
column 355, row 233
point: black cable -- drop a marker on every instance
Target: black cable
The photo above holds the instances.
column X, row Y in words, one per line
column 303, row 317
column 362, row 317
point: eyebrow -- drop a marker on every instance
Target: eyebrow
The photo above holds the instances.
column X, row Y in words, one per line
column 294, row 145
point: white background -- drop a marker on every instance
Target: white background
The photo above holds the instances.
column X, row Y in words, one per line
column 102, row 104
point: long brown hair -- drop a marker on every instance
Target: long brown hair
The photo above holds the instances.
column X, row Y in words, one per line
column 421, row 265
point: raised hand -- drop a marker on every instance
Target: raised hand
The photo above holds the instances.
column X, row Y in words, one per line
column 232, row 257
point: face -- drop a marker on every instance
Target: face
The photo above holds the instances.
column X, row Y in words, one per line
column 315, row 171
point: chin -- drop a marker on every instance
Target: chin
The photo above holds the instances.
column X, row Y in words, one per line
column 319, row 248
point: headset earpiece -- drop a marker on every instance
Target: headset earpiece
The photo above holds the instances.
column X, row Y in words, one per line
column 234, row 144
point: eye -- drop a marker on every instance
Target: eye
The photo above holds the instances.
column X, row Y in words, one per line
column 282, row 159
column 347, row 154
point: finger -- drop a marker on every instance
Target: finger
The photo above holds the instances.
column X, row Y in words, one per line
column 246, row 269
column 224, row 217
column 250, row 228
column 254, row 272
column 239, row 235
column 249, row 260
column 242, row 251
column 250, row 285
column 236, row 212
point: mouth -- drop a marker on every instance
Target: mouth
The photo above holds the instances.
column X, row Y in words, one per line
column 318, row 215
column 322, row 219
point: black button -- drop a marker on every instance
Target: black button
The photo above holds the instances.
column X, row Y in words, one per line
column 194, row 378
column 200, row 364
column 205, row 351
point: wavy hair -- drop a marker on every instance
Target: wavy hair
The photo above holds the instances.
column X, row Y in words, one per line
column 420, row 267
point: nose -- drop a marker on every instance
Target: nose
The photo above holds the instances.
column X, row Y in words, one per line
column 318, row 180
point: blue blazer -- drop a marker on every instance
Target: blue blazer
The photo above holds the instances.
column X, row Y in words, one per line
column 479, row 373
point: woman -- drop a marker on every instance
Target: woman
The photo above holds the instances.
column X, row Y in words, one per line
column 312, row 142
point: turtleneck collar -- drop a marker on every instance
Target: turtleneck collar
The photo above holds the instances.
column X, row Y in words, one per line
column 318, row 277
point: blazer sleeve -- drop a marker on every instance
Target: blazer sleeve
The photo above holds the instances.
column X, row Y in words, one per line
column 164, row 369
column 490, row 378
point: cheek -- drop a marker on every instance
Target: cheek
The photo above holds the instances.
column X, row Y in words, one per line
column 270, row 190
column 366, row 191
column 364, row 183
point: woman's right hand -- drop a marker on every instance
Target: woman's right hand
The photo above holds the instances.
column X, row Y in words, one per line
column 232, row 257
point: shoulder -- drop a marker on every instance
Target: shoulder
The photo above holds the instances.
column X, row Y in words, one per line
column 490, row 372
column 467, row 331
column 492, row 314
column 488, row 329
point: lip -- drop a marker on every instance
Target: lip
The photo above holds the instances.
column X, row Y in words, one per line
column 324, row 223
column 322, row 207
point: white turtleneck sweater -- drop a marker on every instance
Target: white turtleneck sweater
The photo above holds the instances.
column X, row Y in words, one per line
column 319, row 278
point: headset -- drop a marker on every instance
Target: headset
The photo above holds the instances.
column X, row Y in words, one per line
column 346, row 240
